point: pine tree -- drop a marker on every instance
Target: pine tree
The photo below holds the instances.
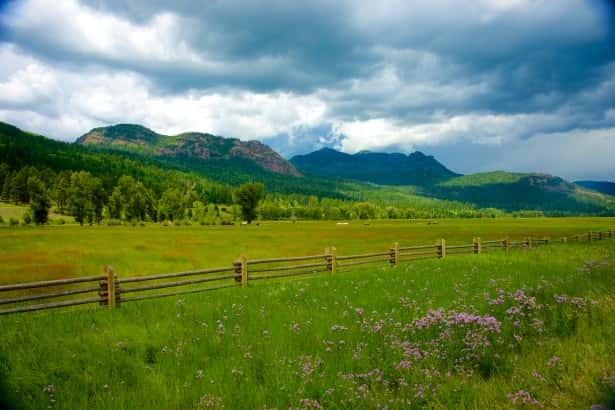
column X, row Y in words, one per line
column 39, row 200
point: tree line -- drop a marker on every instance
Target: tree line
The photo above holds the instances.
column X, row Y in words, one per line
column 84, row 196
column 90, row 201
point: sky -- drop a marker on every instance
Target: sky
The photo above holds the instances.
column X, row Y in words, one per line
column 519, row 85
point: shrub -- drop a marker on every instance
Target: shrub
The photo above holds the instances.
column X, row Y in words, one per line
column 1, row 219
column 13, row 221
column 113, row 222
column 61, row 221
column 27, row 218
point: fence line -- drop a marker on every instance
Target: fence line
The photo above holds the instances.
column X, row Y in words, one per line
column 110, row 288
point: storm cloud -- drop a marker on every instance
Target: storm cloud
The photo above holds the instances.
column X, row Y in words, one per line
column 491, row 84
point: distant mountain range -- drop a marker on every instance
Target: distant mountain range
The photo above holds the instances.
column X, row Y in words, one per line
column 380, row 168
column 390, row 178
column 604, row 187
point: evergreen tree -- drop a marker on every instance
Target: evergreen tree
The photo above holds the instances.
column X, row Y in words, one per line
column 61, row 190
column 19, row 186
column 39, row 200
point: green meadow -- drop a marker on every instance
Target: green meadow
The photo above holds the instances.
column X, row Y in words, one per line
column 519, row 329
column 39, row 253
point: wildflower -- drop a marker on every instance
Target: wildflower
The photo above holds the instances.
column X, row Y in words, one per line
column 553, row 361
column 524, row 398
column 538, row 376
column 338, row 328
column 209, row 401
column 561, row 298
column 49, row 389
column 199, row 374
column 404, row 364
column 308, row 403
column 359, row 311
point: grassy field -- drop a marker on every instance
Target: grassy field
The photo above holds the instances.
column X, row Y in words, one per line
column 520, row 329
column 8, row 211
column 39, row 253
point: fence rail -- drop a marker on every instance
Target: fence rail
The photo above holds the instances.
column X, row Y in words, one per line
column 110, row 290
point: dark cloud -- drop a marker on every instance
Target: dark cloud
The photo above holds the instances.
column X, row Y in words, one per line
column 358, row 74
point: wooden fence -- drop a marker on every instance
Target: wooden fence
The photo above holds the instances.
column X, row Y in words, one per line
column 111, row 291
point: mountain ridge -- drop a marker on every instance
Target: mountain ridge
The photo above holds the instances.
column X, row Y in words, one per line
column 198, row 145
column 382, row 168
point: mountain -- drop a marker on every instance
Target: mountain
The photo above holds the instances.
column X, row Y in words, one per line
column 189, row 145
column 20, row 148
column 141, row 154
column 429, row 178
column 604, row 187
column 380, row 168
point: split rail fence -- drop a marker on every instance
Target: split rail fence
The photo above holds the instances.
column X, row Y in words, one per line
column 111, row 291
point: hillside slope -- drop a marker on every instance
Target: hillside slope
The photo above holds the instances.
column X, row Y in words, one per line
column 516, row 191
column 190, row 145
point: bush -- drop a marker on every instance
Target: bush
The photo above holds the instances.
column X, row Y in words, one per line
column 1, row 219
column 61, row 221
column 113, row 222
column 27, row 218
column 13, row 221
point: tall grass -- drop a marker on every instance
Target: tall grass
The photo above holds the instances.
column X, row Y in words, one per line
column 525, row 329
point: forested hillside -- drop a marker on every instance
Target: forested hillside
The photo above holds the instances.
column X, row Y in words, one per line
column 96, row 182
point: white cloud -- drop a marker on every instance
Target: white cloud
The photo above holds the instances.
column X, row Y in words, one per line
column 576, row 154
column 76, row 28
column 375, row 134
column 89, row 98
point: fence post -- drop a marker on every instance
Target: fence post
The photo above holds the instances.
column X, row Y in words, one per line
column 565, row 239
column 528, row 242
column 505, row 244
column 610, row 233
column 441, row 248
column 477, row 246
column 547, row 240
column 600, row 235
column 590, row 236
column 244, row 271
column 394, row 254
column 331, row 259
column 111, row 281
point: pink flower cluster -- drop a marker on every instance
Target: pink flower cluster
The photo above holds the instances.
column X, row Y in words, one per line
column 524, row 398
column 489, row 322
column 456, row 319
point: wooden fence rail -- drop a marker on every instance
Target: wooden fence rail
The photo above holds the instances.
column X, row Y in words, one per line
column 111, row 291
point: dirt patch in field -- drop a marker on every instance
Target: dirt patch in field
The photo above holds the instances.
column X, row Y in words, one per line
column 42, row 272
column 22, row 258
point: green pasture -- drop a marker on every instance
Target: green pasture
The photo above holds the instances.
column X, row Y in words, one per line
column 38, row 253
column 343, row 341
